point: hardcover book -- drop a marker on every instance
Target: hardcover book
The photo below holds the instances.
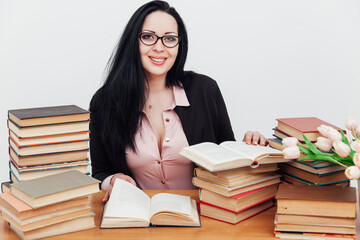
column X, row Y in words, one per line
column 313, row 236
column 295, row 127
column 329, row 201
column 232, row 217
column 48, row 115
column 230, row 155
column 128, row 206
column 55, row 188
column 228, row 192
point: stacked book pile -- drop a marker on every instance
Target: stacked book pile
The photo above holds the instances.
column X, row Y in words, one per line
column 315, row 212
column 230, row 190
column 50, row 205
column 47, row 140
column 306, row 172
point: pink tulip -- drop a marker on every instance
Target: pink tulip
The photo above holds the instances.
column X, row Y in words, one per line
column 351, row 123
column 357, row 130
column 323, row 130
column 289, row 141
column 292, row 152
column 323, row 144
column 333, row 134
column 356, row 146
column 352, row 172
column 342, row 149
column 356, row 159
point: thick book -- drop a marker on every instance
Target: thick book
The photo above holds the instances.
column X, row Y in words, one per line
column 44, row 140
column 51, row 158
column 229, row 180
column 47, row 130
column 230, row 155
column 295, row 127
column 315, row 220
column 73, row 225
column 329, row 201
column 314, row 228
column 228, row 192
column 27, row 173
column 5, row 186
column 238, row 202
column 22, row 211
column 128, row 206
column 316, row 178
column 48, row 115
column 298, row 181
column 313, row 236
column 232, row 217
column 316, row 170
column 55, row 188
column 49, row 148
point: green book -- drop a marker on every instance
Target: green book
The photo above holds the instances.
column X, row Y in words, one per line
column 55, row 188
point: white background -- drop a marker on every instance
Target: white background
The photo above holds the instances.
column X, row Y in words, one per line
column 271, row 58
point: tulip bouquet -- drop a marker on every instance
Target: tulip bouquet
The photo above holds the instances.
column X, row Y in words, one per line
column 333, row 146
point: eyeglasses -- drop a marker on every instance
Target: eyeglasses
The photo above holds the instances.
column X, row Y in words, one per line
column 149, row 39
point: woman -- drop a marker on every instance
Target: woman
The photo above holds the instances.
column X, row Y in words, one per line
column 149, row 108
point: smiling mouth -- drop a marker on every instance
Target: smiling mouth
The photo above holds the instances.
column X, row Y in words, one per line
column 159, row 60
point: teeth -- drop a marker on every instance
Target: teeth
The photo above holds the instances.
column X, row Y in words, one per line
column 158, row 59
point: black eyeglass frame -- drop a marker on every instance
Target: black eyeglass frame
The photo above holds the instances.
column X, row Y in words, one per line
column 157, row 39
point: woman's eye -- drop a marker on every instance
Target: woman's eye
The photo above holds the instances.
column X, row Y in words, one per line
column 170, row 38
column 147, row 36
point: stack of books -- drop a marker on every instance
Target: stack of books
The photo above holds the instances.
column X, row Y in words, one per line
column 306, row 172
column 50, row 205
column 47, row 140
column 315, row 212
column 230, row 190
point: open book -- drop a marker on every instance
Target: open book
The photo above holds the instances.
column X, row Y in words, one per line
column 230, row 154
column 128, row 206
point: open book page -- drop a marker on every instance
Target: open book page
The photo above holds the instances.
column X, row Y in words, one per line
column 215, row 153
column 166, row 202
column 251, row 151
column 127, row 201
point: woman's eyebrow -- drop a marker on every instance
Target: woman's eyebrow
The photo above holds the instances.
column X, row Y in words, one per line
column 170, row 32
column 148, row 30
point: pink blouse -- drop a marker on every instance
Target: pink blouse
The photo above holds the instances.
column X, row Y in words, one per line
column 166, row 169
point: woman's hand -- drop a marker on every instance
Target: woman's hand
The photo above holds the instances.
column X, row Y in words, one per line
column 112, row 181
column 255, row 138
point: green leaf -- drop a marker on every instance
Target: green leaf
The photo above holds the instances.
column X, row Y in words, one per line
column 305, row 150
column 346, row 141
column 311, row 146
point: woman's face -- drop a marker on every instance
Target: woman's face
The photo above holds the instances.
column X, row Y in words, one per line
column 158, row 59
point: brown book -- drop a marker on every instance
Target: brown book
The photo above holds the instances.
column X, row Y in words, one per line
column 331, row 201
column 312, row 169
column 27, row 173
column 238, row 202
column 20, row 210
column 313, row 236
column 313, row 228
column 55, row 188
column 315, row 220
column 49, row 148
column 227, row 180
column 316, row 179
column 292, row 180
column 73, row 225
column 44, row 140
column 41, row 159
column 5, row 186
column 46, row 130
column 48, row 115
column 232, row 217
column 295, row 127
column 225, row 191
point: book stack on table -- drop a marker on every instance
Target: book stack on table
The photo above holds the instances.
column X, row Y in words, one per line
column 306, row 172
column 50, row 205
column 47, row 140
column 315, row 212
column 230, row 190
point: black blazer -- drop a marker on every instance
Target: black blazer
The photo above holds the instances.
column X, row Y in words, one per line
column 205, row 120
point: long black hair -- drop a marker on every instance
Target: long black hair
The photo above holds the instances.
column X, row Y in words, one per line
column 118, row 104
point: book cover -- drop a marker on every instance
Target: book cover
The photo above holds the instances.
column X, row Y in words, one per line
column 305, row 124
column 48, row 115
